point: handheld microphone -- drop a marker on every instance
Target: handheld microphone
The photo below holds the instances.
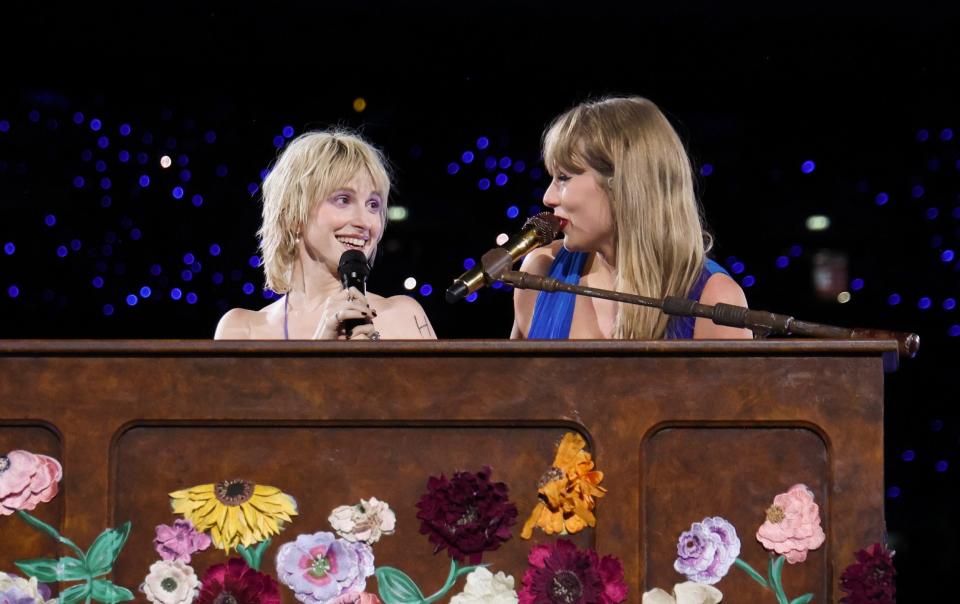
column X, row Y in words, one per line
column 354, row 270
column 537, row 231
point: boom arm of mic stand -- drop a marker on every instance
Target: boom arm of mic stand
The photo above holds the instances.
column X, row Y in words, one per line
column 762, row 323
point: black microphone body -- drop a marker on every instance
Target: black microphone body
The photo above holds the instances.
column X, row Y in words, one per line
column 354, row 270
column 537, row 231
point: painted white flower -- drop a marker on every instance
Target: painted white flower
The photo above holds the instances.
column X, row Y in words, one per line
column 687, row 592
column 18, row 589
column 171, row 582
column 484, row 587
column 364, row 522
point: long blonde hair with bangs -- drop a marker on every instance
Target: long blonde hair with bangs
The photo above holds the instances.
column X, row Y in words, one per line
column 313, row 166
column 660, row 243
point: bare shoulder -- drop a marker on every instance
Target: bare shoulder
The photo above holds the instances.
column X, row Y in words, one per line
column 720, row 289
column 401, row 317
column 539, row 260
column 236, row 324
column 244, row 324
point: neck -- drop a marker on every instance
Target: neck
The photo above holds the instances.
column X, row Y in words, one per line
column 607, row 254
column 311, row 284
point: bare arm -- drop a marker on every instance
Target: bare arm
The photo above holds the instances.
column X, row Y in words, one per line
column 536, row 262
column 720, row 288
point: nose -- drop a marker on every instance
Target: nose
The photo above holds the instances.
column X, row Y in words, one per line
column 366, row 220
column 551, row 197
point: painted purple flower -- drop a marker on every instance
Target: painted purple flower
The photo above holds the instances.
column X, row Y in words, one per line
column 319, row 567
column 706, row 552
column 179, row 541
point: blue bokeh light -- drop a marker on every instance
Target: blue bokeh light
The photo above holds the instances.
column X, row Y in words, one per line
column 144, row 181
column 922, row 135
column 808, row 166
column 917, row 191
column 95, row 124
column 513, row 212
column 106, row 183
column 881, row 199
column 932, row 213
column 469, row 263
column 946, row 134
column 252, row 188
column 254, row 261
column 49, row 220
column 949, row 304
column 100, row 166
column 941, row 466
column 505, row 162
column 947, row 255
column 214, row 249
column 125, row 130
column 145, row 291
column 132, row 300
column 288, row 131
column 893, row 492
column 893, row 299
column 155, row 270
column 472, row 297
column 795, row 251
column 490, row 163
column 426, row 289
column 483, row 142
column 453, row 167
column 706, row 169
column 737, row 267
column 248, row 288
column 9, row 248
column 135, row 234
column 192, row 298
column 78, row 118
column 108, row 309
column 62, row 251
column 186, row 275
column 103, row 142
column 483, row 184
column 189, row 258
column 13, row 291
column 953, row 331
column 782, row 262
column 177, row 192
column 210, row 136
column 197, row 200
column 176, row 293
column 97, row 282
column 78, row 182
column 748, row 281
column 857, row 284
column 467, row 157
column 501, row 179
column 924, row 303
column 908, row 455
column 519, row 166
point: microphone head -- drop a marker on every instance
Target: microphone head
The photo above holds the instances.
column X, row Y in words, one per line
column 354, row 269
column 546, row 225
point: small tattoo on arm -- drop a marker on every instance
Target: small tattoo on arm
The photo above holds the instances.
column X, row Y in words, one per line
column 425, row 328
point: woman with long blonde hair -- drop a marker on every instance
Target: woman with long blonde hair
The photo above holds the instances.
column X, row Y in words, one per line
column 326, row 194
column 622, row 185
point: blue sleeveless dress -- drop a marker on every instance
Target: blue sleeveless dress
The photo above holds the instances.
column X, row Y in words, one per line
column 553, row 312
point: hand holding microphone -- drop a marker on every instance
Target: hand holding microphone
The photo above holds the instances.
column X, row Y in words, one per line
column 537, row 231
column 348, row 314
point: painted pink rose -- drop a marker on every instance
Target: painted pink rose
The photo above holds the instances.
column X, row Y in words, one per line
column 793, row 525
column 27, row 479
column 356, row 598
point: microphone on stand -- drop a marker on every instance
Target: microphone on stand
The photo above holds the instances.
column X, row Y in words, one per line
column 354, row 270
column 537, row 231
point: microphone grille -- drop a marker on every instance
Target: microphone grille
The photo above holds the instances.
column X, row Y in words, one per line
column 546, row 225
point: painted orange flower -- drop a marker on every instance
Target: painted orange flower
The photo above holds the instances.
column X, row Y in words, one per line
column 567, row 492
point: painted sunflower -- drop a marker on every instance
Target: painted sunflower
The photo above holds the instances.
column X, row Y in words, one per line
column 567, row 492
column 236, row 512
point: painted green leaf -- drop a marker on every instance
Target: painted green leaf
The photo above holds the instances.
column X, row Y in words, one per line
column 105, row 549
column 802, row 599
column 74, row 594
column 52, row 571
column 107, row 592
column 396, row 587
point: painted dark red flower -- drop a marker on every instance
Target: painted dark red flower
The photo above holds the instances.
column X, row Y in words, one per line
column 562, row 574
column 870, row 580
column 466, row 514
column 236, row 583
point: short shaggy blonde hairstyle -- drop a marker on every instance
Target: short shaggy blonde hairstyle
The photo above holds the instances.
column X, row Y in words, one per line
column 313, row 166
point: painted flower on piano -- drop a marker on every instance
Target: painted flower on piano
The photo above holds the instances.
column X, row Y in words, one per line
column 236, row 512
column 365, row 522
column 567, row 492
column 792, row 527
column 466, row 514
column 27, row 479
column 320, row 567
column 562, row 573
column 706, row 552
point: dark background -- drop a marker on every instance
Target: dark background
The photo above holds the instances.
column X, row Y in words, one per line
column 865, row 92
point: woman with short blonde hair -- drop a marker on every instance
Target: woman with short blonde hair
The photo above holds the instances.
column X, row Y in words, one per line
column 326, row 194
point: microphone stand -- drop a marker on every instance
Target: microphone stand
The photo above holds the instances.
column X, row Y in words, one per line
column 762, row 323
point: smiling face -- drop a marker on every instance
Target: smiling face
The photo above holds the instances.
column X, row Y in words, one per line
column 585, row 206
column 349, row 218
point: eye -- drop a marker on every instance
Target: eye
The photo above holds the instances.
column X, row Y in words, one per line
column 561, row 177
column 374, row 204
column 341, row 200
